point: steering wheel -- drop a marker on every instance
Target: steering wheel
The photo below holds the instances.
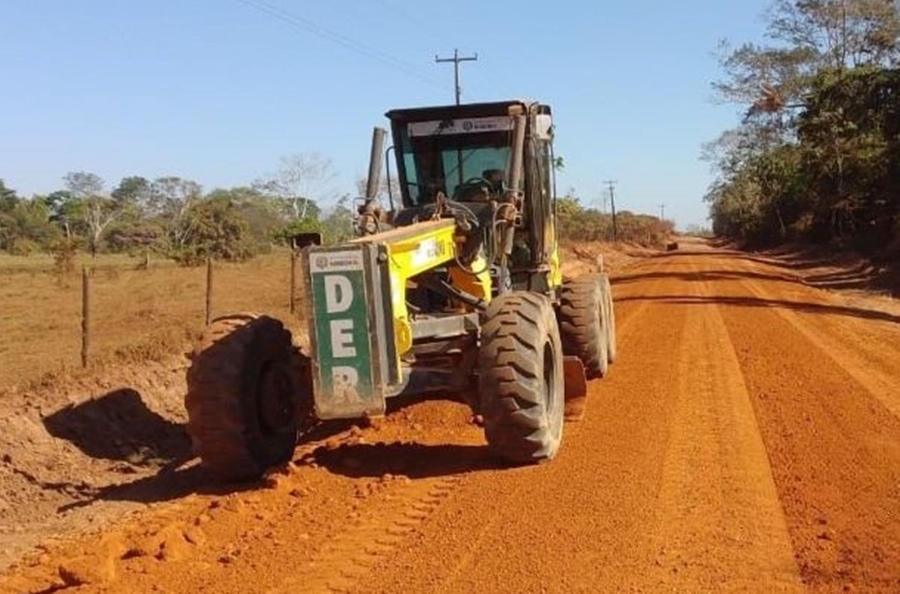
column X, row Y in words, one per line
column 471, row 188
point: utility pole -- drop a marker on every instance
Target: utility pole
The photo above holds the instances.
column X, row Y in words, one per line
column 662, row 212
column 611, row 183
column 456, row 60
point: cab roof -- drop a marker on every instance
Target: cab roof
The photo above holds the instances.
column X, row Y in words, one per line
column 466, row 110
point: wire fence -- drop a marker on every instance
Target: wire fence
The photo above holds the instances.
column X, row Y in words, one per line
column 124, row 311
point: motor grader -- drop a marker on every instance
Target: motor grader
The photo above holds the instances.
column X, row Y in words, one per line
column 455, row 289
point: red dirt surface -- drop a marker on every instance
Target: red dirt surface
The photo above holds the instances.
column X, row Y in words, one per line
column 746, row 440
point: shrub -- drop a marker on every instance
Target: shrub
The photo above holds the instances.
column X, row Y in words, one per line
column 23, row 246
column 64, row 252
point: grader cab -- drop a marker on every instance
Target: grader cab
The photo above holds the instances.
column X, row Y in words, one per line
column 455, row 288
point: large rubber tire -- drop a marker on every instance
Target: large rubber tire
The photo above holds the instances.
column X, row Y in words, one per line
column 244, row 390
column 582, row 323
column 520, row 378
column 610, row 317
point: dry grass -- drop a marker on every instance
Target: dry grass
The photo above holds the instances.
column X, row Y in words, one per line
column 137, row 314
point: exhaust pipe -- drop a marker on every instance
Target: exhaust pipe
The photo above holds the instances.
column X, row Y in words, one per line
column 368, row 215
column 375, row 161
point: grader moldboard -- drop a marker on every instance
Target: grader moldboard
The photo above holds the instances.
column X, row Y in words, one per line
column 458, row 291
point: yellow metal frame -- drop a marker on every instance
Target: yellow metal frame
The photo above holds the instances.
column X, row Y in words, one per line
column 418, row 248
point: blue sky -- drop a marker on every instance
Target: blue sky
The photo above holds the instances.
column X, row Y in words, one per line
column 218, row 91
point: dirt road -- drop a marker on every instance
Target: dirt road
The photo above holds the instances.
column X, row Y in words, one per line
column 747, row 440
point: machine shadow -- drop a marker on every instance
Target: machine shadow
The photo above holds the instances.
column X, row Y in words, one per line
column 414, row 460
column 119, row 426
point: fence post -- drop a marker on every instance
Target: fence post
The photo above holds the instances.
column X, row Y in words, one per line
column 85, row 315
column 209, row 290
column 293, row 280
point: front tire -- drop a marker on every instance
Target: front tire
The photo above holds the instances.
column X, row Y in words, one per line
column 244, row 392
column 521, row 378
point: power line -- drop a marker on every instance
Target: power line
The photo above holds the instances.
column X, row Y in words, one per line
column 439, row 35
column 436, row 35
column 342, row 40
column 456, row 60
column 405, row 15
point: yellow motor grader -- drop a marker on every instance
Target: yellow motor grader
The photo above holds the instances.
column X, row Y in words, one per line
column 456, row 289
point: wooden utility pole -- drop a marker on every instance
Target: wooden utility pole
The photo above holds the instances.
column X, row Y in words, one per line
column 611, row 183
column 662, row 212
column 456, row 60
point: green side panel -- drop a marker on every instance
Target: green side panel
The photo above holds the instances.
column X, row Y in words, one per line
column 346, row 386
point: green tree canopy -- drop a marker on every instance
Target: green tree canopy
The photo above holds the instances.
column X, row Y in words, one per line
column 814, row 155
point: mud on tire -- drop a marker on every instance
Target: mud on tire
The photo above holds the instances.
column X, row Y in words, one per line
column 521, row 381
column 582, row 323
column 245, row 387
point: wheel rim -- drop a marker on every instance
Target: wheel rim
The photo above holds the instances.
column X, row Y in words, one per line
column 275, row 395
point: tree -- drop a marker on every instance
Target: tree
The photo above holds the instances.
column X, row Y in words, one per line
column 24, row 224
column 135, row 229
column 134, row 194
column 814, row 153
column 337, row 225
column 810, row 36
column 217, row 231
column 300, row 181
column 386, row 189
column 171, row 199
column 8, row 197
column 849, row 133
column 264, row 221
column 837, row 34
column 65, row 211
column 96, row 210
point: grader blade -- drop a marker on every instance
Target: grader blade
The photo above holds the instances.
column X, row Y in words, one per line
column 576, row 388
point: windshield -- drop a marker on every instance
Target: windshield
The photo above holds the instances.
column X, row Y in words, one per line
column 443, row 162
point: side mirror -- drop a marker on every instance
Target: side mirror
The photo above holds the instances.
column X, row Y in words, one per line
column 302, row 240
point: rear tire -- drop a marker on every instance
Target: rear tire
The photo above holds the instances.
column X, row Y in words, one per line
column 610, row 317
column 521, row 378
column 243, row 399
column 582, row 323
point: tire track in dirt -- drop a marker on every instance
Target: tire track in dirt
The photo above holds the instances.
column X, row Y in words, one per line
column 627, row 316
column 579, row 523
column 867, row 352
column 833, row 445
column 308, row 527
column 348, row 556
column 720, row 524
